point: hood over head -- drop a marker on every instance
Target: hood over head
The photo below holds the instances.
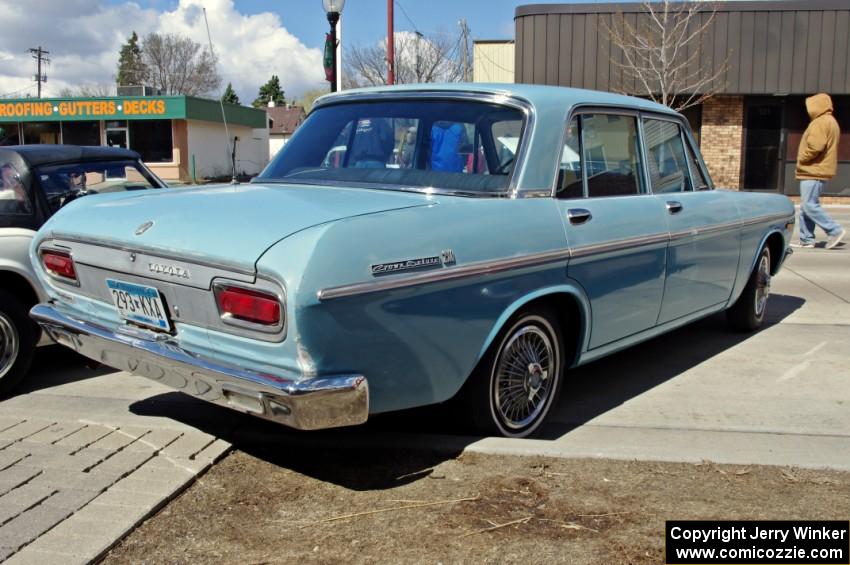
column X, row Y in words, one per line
column 818, row 105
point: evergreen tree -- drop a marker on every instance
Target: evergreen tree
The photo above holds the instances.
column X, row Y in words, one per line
column 230, row 96
column 131, row 69
column 270, row 91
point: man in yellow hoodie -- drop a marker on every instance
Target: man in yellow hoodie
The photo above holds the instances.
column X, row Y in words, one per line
column 817, row 162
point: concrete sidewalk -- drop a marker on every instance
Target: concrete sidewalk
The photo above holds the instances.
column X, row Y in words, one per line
column 78, row 471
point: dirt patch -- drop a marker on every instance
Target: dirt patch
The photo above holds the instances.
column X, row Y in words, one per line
column 368, row 506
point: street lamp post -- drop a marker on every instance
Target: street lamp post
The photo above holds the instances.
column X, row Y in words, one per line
column 333, row 8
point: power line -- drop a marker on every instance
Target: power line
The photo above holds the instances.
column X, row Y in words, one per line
column 464, row 30
column 406, row 16
column 8, row 94
column 484, row 54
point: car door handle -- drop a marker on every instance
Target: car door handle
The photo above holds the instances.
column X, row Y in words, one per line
column 674, row 207
column 578, row 216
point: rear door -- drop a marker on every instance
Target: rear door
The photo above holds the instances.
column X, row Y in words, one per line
column 702, row 258
column 617, row 231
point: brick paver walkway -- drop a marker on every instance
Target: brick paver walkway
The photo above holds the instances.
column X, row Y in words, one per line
column 72, row 485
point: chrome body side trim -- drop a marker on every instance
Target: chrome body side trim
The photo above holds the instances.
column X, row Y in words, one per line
column 305, row 404
column 111, row 244
column 149, row 265
column 715, row 228
column 620, row 245
column 451, row 273
column 498, row 265
column 766, row 218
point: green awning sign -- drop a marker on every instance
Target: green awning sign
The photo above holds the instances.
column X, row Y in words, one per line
column 93, row 109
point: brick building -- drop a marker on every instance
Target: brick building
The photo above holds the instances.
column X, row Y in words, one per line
column 777, row 52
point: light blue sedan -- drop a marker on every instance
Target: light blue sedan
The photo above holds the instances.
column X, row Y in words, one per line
column 412, row 245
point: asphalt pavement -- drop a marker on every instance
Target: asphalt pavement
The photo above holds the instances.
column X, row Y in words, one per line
column 109, row 449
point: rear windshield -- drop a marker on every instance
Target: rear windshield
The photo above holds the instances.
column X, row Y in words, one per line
column 462, row 146
column 62, row 183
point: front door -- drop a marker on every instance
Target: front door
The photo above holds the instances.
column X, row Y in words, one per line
column 617, row 232
column 762, row 147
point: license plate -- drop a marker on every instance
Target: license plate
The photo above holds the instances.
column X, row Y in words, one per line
column 139, row 304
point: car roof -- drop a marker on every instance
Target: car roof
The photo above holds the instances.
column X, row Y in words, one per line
column 537, row 95
column 48, row 154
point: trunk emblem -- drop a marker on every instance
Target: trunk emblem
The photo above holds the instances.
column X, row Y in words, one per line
column 171, row 270
column 143, row 228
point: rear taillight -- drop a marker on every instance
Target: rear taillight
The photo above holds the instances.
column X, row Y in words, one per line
column 248, row 305
column 59, row 264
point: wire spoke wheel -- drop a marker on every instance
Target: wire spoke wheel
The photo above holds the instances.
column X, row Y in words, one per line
column 525, row 375
column 762, row 284
column 9, row 344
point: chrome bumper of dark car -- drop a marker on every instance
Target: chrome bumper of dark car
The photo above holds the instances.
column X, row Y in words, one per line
column 307, row 404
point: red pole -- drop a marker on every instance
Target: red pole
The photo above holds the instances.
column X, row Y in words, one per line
column 390, row 43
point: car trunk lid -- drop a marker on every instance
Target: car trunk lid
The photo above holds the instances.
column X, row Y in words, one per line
column 224, row 225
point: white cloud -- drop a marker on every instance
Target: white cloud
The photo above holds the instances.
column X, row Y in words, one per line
column 84, row 37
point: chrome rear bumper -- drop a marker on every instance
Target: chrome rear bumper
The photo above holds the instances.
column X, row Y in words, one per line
column 307, row 404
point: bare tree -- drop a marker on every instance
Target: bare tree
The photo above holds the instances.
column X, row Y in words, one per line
column 664, row 53
column 175, row 64
column 418, row 58
column 88, row 91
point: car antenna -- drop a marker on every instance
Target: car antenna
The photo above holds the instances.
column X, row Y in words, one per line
column 231, row 155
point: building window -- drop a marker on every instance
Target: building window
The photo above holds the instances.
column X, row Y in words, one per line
column 152, row 140
column 81, row 133
column 41, row 132
column 9, row 133
column 116, row 133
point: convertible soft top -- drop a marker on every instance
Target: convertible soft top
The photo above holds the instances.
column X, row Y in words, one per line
column 43, row 154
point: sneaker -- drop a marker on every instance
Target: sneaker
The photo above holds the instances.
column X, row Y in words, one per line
column 802, row 245
column 835, row 239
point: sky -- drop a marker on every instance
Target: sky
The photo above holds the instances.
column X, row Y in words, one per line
column 252, row 38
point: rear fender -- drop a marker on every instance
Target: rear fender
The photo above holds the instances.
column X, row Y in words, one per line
column 573, row 291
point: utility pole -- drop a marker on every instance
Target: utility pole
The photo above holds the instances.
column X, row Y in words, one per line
column 390, row 43
column 418, row 57
column 464, row 30
column 39, row 55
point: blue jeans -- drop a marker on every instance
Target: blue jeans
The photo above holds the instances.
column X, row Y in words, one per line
column 812, row 214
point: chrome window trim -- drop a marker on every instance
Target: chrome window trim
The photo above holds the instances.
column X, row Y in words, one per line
column 278, row 292
column 579, row 109
column 678, row 122
column 644, row 153
column 489, row 97
column 111, row 244
column 534, row 259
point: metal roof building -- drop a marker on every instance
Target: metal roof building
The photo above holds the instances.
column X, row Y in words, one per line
column 775, row 52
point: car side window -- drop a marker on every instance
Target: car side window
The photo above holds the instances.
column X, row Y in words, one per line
column 611, row 155
column 570, row 184
column 696, row 171
column 14, row 200
column 667, row 164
